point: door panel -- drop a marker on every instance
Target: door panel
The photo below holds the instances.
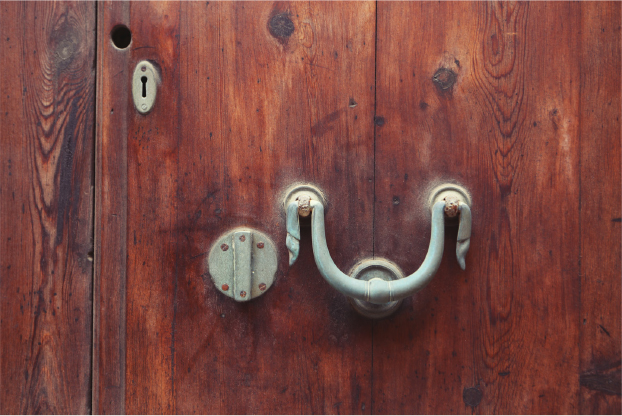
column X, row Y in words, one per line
column 47, row 113
column 493, row 96
column 245, row 109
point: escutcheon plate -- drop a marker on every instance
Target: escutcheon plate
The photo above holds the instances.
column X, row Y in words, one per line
column 242, row 264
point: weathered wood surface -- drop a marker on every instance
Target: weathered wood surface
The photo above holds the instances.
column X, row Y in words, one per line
column 47, row 80
column 520, row 103
column 247, row 107
column 601, row 217
column 109, row 293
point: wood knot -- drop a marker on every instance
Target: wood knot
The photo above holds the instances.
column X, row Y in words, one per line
column 444, row 79
column 281, row 26
column 472, row 396
column 66, row 49
column 64, row 41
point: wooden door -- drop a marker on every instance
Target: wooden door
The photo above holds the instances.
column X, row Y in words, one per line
column 108, row 215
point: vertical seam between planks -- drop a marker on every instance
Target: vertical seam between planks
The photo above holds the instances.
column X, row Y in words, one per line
column 94, row 313
column 373, row 234
column 580, row 239
column 127, row 14
column 175, row 285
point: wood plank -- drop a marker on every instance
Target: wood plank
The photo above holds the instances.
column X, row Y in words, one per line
column 486, row 95
column 600, row 208
column 136, row 246
column 152, row 155
column 46, row 151
column 265, row 107
column 244, row 111
column 110, row 214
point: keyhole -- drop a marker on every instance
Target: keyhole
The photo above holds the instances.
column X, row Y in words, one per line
column 144, row 81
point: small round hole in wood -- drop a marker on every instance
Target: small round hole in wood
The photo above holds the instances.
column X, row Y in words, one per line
column 121, row 36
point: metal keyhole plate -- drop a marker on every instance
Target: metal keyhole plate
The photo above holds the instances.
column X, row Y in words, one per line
column 375, row 269
column 145, row 86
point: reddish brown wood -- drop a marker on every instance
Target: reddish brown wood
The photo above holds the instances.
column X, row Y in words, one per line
column 110, row 215
column 152, row 168
column 244, row 111
column 46, row 143
column 600, row 208
column 274, row 110
column 503, row 336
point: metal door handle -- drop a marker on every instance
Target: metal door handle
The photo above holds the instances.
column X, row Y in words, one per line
column 448, row 200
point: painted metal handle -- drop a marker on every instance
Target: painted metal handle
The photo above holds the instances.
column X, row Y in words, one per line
column 380, row 291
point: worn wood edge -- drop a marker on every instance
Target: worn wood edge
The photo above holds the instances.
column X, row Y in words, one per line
column 96, row 216
column 599, row 342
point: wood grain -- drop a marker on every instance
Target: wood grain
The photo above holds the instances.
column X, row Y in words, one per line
column 276, row 108
column 152, row 165
column 246, row 108
column 519, row 102
column 600, row 210
column 109, row 296
column 46, row 150
column 501, row 337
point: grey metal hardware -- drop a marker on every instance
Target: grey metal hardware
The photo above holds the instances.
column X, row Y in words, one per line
column 457, row 201
column 384, row 285
column 375, row 269
column 145, row 86
column 297, row 203
column 242, row 264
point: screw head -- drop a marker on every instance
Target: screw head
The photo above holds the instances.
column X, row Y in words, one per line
column 243, row 294
column 242, row 238
column 143, row 68
column 262, row 286
column 225, row 287
column 260, row 244
column 224, row 247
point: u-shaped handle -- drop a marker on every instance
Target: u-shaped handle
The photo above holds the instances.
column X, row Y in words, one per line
column 377, row 291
